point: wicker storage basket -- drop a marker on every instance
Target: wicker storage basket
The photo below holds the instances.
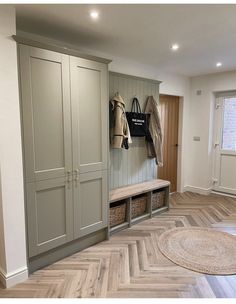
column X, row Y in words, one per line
column 117, row 214
column 158, row 199
column 138, row 206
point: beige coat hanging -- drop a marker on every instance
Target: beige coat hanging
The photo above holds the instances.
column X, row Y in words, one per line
column 154, row 148
column 120, row 134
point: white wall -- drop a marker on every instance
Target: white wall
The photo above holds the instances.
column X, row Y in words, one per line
column 199, row 157
column 12, row 220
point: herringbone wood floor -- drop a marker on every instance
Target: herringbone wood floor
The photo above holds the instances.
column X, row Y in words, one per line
column 130, row 264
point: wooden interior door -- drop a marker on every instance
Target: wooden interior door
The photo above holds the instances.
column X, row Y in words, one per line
column 169, row 112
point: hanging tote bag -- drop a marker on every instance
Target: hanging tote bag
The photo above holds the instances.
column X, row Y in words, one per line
column 137, row 120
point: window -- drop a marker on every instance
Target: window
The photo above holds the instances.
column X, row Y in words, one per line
column 229, row 124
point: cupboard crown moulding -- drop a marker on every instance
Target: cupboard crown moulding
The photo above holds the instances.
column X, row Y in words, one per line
column 58, row 48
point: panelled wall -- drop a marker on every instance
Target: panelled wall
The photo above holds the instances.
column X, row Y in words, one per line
column 132, row 166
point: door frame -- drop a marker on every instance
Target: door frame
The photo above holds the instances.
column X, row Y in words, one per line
column 180, row 161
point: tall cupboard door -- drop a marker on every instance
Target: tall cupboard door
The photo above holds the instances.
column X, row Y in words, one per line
column 89, row 97
column 45, row 92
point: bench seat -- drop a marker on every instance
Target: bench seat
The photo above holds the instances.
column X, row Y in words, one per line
column 136, row 189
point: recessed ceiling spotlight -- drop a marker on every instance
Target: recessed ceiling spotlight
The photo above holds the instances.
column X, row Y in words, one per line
column 175, row 47
column 94, row 15
column 219, row 64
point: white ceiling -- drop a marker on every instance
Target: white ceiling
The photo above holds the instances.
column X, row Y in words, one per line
column 206, row 33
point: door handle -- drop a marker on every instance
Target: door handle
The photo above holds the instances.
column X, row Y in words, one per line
column 68, row 173
column 68, row 176
column 76, row 174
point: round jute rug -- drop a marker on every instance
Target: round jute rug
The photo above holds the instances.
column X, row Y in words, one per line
column 203, row 250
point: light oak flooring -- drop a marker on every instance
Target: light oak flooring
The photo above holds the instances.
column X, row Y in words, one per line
column 130, row 264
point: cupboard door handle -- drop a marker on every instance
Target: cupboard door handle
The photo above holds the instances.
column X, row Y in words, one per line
column 68, row 176
column 76, row 177
column 77, row 174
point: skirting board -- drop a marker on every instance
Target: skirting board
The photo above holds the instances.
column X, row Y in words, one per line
column 204, row 191
column 12, row 278
column 224, row 194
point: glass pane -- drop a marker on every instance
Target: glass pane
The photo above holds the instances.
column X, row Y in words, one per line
column 229, row 124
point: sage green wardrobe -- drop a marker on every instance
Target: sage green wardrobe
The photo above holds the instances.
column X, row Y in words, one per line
column 65, row 135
